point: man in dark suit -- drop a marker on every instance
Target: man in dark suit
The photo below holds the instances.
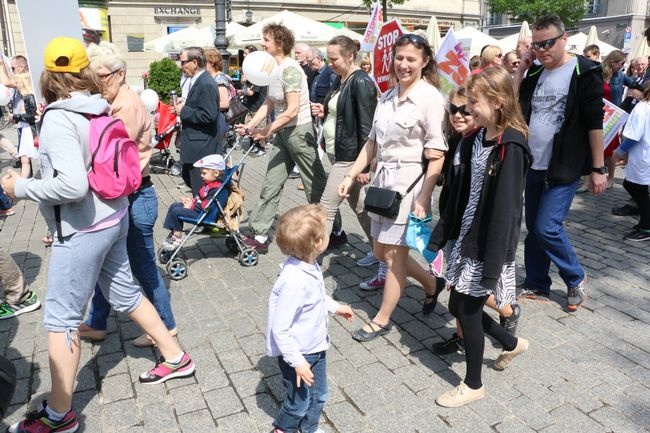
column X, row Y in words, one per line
column 198, row 114
column 324, row 77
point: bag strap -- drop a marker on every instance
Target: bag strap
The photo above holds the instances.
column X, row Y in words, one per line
column 417, row 179
column 57, row 218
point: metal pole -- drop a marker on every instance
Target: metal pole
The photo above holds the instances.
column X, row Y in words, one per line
column 220, row 40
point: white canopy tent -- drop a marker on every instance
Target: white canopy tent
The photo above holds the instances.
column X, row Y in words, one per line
column 188, row 37
column 474, row 39
column 304, row 29
column 578, row 41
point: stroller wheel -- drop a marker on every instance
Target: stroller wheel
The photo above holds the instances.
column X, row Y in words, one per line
column 177, row 269
column 231, row 244
column 175, row 169
column 164, row 255
column 248, row 257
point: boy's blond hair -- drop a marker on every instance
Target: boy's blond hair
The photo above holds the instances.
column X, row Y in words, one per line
column 300, row 228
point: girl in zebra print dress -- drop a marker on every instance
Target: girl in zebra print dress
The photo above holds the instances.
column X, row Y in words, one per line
column 483, row 214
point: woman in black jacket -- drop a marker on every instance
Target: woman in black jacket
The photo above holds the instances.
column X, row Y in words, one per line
column 483, row 214
column 347, row 111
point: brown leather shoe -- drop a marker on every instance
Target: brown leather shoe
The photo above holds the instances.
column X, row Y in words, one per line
column 88, row 333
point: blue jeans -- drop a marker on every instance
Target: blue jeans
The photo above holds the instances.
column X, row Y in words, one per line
column 177, row 210
column 302, row 407
column 547, row 206
column 143, row 213
column 5, row 201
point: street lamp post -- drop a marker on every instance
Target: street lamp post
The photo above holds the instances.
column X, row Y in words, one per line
column 220, row 40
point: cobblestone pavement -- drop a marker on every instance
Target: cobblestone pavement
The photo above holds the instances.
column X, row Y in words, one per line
column 587, row 372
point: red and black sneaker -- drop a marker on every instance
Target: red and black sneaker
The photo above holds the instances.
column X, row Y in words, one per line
column 38, row 422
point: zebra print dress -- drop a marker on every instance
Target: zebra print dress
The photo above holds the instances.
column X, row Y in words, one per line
column 463, row 273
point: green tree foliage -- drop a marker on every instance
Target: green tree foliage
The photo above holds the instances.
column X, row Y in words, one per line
column 164, row 76
column 571, row 11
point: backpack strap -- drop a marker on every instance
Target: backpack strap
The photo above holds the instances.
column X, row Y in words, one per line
column 57, row 217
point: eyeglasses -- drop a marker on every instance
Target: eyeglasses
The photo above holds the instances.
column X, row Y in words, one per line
column 413, row 38
column 499, row 55
column 183, row 62
column 546, row 44
column 515, row 63
column 104, row 76
column 453, row 109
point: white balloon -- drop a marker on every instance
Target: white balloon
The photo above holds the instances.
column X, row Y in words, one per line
column 260, row 68
column 5, row 95
column 149, row 99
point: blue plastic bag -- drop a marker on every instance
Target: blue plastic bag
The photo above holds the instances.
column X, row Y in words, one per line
column 418, row 233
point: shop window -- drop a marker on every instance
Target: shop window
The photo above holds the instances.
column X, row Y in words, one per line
column 593, row 7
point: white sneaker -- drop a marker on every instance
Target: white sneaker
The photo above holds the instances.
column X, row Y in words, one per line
column 368, row 260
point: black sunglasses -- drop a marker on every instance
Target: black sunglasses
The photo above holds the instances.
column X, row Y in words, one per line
column 186, row 61
column 546, row 44
column 453, row 109
column 413, row 38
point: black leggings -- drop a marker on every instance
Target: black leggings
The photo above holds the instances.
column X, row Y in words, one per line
column 475, row 323
column 639, row 194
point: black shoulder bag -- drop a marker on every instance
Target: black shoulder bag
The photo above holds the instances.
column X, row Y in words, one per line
column 386, row 202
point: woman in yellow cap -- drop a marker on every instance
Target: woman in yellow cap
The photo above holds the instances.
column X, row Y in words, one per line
column 89, row 232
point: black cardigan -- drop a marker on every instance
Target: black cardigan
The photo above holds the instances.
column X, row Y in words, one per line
column 571, row 153
column 494, row 234
column 355, row 110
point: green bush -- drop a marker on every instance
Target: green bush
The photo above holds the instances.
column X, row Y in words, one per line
column 164, row 76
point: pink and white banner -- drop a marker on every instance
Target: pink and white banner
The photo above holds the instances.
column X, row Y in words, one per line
column 373, row 28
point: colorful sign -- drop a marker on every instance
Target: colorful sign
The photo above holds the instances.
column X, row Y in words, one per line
column 383, row 54
column 453, row 65
column 614, row 119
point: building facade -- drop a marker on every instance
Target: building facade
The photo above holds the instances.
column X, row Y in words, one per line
column 620, row 23
column 130, row 23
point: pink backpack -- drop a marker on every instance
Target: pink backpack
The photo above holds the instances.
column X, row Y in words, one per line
column 115, row 162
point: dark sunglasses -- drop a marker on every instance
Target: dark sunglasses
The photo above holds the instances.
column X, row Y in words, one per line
column 186, row 61
column 546, row 44
column 413, row 38
column 453, row 109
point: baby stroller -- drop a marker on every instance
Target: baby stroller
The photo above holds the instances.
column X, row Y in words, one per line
column 217, row 221
column 166, row 126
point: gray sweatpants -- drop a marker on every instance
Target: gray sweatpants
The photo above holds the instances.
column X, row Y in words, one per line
column 77, row 264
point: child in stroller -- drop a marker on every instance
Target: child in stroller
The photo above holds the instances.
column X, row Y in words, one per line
column 212, row 171
column 166, row 124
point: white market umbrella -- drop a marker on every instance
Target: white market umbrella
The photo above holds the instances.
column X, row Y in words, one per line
column 509, row 43
column 524, row 31
column 188, row 37
column 592, row 37
column 433, row 34
column 577, row 42
column 640, row 50
column 304, row 29
column 474, row 39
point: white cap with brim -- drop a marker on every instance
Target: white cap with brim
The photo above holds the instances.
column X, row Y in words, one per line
column 214, row 162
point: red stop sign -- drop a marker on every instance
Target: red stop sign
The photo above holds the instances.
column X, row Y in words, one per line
column 382, row 54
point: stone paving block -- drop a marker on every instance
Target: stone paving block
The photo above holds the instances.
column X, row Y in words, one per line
column 390, row 357
column 262, row 409
column 151, row 395
column 223, row 402
column 120, row 414
column 197, row 422
column 618, row 400
column 367, row 399
column 187, row 399
column 530, row 412
column 253, row 345
column 236, row 423
column 345, row 418
column 274, row 384
column 159, row 418
column 111, row 364
column 513, row 426
column 118, row 387
column 248, row 383
column 579, row 421
column 616, row 421
column 234, row 361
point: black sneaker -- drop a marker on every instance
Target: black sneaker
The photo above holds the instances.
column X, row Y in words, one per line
column 453, row 345
column 638, row 235
column 337, row 241
column 625, row 210
column 29, row 302
column 510, row 323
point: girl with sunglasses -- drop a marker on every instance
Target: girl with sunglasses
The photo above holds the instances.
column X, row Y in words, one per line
column 406, row 128
column 483, row 215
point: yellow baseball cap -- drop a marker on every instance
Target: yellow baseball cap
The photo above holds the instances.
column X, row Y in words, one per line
column 65, row 54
